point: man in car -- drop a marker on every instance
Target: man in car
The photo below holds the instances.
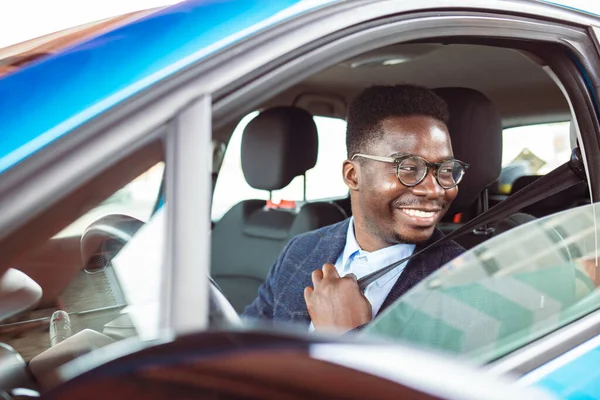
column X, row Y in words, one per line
column 402, row 178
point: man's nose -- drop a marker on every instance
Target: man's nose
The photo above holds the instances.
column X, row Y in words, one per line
column 429, row 188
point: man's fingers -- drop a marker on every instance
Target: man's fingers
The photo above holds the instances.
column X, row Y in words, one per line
column 307, row 292
column 353, row 282
column 329, row 271
column 364, row 296
column 317, row 277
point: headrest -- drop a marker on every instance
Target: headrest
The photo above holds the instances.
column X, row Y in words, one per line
column 476, row 132
column 278, row 145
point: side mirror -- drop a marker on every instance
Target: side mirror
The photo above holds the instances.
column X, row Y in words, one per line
column 18, row 292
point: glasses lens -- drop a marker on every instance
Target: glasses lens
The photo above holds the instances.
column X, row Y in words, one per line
column 411, row 171
column 450, row 173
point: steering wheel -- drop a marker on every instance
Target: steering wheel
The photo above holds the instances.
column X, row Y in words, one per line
column 104, row 239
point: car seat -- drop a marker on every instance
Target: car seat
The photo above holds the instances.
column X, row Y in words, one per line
column 277, row 145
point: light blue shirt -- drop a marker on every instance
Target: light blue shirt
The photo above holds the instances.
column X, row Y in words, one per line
column 360, row 263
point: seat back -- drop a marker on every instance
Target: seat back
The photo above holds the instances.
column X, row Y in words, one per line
column 278, row 145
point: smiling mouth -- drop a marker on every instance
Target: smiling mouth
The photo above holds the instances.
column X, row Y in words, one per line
column 419, row 213
column 420, row 217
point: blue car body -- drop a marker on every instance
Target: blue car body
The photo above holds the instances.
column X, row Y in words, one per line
column 46, row 100
column 573, row 375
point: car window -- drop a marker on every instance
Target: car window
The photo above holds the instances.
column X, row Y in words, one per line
column 324, row 181
column 533, row 150
column 506, row 292
column 80, row 279
column 137, row 200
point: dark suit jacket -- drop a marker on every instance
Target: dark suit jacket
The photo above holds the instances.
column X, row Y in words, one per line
column 281, row 296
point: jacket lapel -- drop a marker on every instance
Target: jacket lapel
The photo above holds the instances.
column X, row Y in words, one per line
column 415, row 271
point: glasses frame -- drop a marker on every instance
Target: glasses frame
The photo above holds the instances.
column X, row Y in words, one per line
column 429, row 166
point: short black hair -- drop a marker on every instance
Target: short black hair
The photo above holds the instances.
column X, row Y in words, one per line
column 377, row 103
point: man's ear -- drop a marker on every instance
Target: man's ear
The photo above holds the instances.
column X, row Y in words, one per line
column 350, row 174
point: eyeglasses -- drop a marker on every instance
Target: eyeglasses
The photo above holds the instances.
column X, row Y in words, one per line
column 412, row 169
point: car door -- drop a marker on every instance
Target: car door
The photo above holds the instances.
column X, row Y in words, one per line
column 230, row 84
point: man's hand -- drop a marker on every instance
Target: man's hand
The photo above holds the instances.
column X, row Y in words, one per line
column 336, row 302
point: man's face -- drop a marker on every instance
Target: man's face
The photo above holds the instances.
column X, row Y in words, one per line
column 384, row 209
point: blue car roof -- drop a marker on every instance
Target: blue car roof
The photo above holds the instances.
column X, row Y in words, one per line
column 50, row 98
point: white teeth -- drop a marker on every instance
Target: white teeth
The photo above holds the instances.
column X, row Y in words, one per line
column 418, row 213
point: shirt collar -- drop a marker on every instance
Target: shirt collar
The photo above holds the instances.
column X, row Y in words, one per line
column 377, row 259
column 352, row 246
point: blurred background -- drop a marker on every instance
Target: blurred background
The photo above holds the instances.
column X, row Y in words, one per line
column 27, row 19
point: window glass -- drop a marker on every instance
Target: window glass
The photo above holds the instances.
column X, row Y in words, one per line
column 80, row 279
column 324, row 181
column 533, row 150
column 506, row 292
column 137, row 200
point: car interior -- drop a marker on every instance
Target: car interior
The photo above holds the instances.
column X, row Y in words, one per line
column 489, row 87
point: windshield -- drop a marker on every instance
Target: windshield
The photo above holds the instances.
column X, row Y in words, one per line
column 504, row 293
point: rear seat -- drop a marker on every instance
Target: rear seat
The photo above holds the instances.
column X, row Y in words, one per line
column 277, row 145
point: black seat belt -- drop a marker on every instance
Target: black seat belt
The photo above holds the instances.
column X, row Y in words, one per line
column 561, row 178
